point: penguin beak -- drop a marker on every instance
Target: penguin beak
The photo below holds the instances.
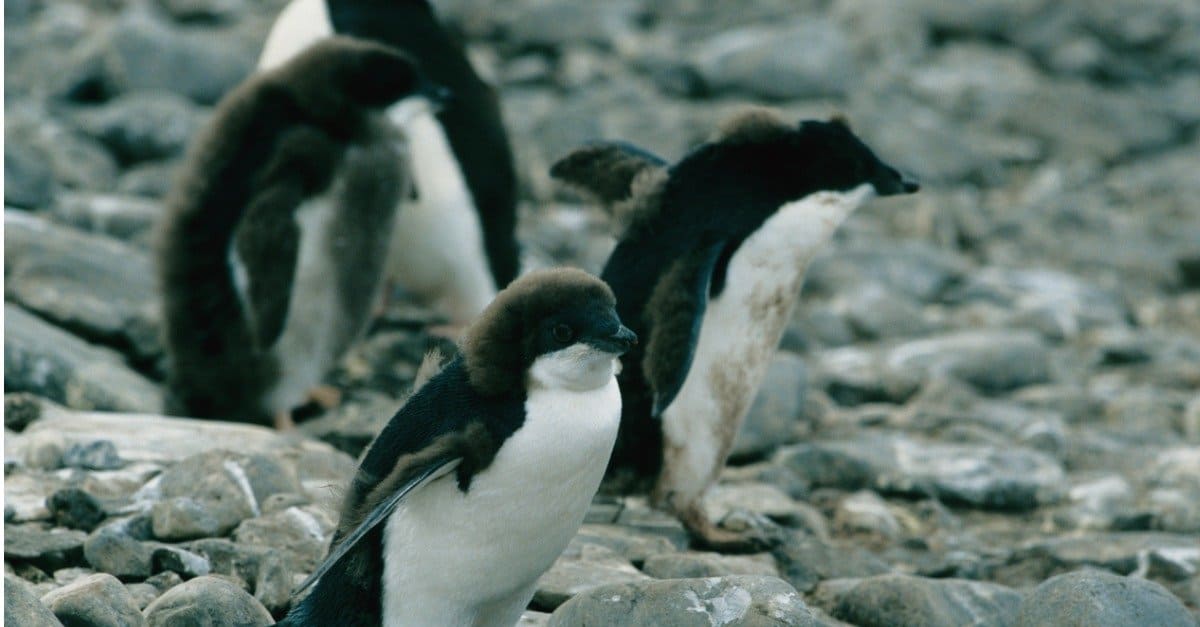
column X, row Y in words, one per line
column 897, row 185
column 618, row 343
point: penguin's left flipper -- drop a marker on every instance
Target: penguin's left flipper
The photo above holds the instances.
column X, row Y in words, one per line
column 674, row 314
column 606, row 169
column 415, row 478
column 267, row 238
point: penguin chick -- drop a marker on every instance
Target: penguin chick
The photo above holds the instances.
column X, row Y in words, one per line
column 478, row 483
column 453, row 242
column 708, row 270
column 271, row 250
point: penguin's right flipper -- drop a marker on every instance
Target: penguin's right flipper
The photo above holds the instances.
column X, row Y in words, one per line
column 606, row 169
column 415, row 478
column 674, row 313
column 267, row 238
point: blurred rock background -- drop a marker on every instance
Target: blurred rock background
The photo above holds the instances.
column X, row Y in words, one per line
column 985, row 412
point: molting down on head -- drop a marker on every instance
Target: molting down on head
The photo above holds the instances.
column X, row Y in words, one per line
column 559, row 325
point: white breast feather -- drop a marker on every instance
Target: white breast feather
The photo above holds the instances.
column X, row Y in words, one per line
column 437, row 248
column 474, row 559
column 740, row 331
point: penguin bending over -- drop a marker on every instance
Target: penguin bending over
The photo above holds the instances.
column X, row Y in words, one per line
column 453, row 242
column 707, row 271
column 478, row 483
column 273, row 243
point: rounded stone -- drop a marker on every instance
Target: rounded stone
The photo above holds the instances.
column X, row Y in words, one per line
column 207, row 602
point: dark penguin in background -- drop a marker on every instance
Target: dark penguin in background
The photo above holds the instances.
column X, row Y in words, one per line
column 454, row 242
column 478, row 483
column 707, row 272
column 272, row 247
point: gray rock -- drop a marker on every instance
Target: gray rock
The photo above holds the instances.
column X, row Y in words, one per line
column 542, row 25
column 75, row 160
column 1090, row 597
column 20, row 410
column 865, row 512
column 875, row 312
column 580, row 568
column 210, row 493
column 96, row 455
column 22, row 606
column 75, row 509
column 904, row 600
column 273, row 583
column 113, row 550
column 143, row 594
column 1078, row 120
column 48, row 550
column 810, row 57
column 163, row 581
column 153, row 180
column 759, row 498
column 202, row 10
column 807, row 560
column 853, row 376
column 99, row 286
column 992, row 361
column 178, row 438
column 143, row 126
column 140, row 52
column 206, row 601
column 1008, row 478
column 772, row 418
column 49, row 362
column 690, row 565
column 915, row 269
column 239, row 562
column 292, row 530
column 126, row 218
column 1071, row 303
column 184, row 518
column 1119, row 552
column 1097, row 504
column 177, row 560
column 98, row 600
column 28, row 178
column 632, row 544
column 737, row 600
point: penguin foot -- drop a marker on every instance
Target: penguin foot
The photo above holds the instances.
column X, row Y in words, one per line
column 753, row 533
column 326, row 396
column 283, row 421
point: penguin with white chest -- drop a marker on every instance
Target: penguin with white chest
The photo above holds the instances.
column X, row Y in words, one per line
column 273, row 244
column 453, row 242
column 708, row 271
column 478, row 483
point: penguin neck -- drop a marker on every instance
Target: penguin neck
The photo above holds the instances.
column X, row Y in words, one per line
column 577, row 368
column 800, row 228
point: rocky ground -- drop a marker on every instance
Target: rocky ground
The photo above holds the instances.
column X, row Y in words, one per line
column 986, row 411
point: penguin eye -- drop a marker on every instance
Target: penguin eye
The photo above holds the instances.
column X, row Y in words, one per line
column 562, row 333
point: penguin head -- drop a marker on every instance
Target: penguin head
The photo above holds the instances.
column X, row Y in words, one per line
column 557, row 328
column 790, row 162
column 339, row 75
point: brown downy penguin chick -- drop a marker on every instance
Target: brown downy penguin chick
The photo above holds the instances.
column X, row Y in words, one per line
column 479, row 482
column 707, row 271
column 454, row 242
column 275, row 235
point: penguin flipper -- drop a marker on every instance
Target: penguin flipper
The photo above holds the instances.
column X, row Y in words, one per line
column 606, row 169
column 674, row 314
column 417, row 478
column 267, row 238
